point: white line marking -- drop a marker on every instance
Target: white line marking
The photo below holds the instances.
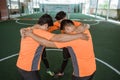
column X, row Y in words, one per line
column 17, row 21
column 17, row 54
column 101, row 61
column 111, row 67
column 8, row 57
column 97, row 21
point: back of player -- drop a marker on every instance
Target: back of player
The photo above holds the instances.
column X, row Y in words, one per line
column 29, row 58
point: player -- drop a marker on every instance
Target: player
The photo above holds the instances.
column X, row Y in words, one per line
column 81, row 51
column 59, row 17
column 29, row 58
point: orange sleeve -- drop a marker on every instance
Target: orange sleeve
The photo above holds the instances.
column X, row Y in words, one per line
column 56, row 26
column 43, row 33
column 53, row 28
column 76, row 23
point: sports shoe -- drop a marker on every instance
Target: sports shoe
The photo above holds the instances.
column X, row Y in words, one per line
column 50, row 73
column 59, row 74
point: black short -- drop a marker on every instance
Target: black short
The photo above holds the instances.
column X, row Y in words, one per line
column 83, row 78
column 66, row 54
column 29, row 75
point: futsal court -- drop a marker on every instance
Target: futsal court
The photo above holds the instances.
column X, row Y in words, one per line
column 106, row 41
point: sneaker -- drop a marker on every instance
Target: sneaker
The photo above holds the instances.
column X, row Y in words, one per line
column 59, row 74
column 50, row 73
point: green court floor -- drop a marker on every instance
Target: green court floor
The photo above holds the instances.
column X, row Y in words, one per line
column 106, row 41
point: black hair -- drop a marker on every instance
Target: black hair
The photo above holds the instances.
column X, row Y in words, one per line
column 60, row 15
column 65, row 22
column 45, row 19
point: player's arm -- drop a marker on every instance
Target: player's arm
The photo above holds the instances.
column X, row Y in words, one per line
column 79, row 34
column 43, row 41
column 82, row 28
column 76, row 23
column 39, row 39
column 63, row 37
column 22, row 31
column 69, row 37
column 53, row 28
column 46, row 42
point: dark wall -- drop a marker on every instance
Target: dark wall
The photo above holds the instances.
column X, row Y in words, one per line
column 3, row 9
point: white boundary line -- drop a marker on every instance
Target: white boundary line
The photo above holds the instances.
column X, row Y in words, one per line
column 101, row 61
column 22, row 23
column 109, row 20
column 108, row 65
column 97, row 21
column 8, row 57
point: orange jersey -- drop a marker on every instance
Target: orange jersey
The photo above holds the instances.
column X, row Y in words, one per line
column 30, row 51
column 57, row 26
column 82, row 55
